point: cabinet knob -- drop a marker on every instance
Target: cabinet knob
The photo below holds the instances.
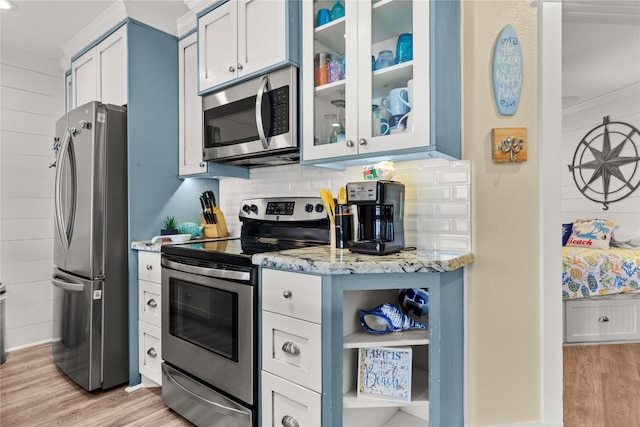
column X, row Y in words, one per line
column 149, row 267
column 287, row 294
column 349, row 143
column 231, row 69
column 201, row 164
column 289, row 421
column 239, row 66
column 362, row 141
column 152, row 352
column 290, row 348
column 603, row 319
column 152, row 303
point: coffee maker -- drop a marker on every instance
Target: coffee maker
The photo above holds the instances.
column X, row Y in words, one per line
column 380, row 208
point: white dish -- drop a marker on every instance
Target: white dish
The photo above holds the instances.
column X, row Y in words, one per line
column 176, row 238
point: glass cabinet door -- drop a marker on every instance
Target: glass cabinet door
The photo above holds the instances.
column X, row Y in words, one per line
column 331, row 48
column 369, row 59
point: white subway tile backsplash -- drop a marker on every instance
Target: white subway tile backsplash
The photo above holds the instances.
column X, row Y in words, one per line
column 453, row 243
column 437, row 196
column 435, row 225
column 453, row 209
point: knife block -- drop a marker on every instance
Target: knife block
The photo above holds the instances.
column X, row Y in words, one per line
column 219, row 229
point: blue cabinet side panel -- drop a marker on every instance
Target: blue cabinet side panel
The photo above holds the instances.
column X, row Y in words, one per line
column 154, row 188
column 446, row 130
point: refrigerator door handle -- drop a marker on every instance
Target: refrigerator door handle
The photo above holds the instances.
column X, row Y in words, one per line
column 68, row 286
column 64, row 230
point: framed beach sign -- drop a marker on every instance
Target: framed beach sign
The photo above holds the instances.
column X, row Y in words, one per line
column 385, row 373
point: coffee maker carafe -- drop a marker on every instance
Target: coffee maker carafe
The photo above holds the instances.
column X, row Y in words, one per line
column 380, row 208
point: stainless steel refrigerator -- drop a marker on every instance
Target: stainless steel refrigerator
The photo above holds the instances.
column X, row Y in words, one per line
column 90, row 249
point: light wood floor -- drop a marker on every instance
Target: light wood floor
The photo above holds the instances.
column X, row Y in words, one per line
column 33, row 392
column 602, row 385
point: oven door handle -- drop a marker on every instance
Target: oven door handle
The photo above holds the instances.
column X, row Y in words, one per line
column 209, row 272
column 221, row 408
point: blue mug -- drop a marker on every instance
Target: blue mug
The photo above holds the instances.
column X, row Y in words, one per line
column 398, row 101
column 396, row 123
column 324, row 17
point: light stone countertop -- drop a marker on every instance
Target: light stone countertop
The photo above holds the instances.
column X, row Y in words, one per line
column 322, row 260
column 146, row 245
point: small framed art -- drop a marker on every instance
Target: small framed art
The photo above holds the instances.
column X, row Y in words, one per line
column 385, row 373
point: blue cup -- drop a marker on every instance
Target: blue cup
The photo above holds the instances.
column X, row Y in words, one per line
column 404, row 48
column 385, row 59
column 324, row 16
column 398, row 101
column 396, row 124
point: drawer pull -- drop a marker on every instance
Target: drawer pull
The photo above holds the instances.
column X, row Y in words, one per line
column 603, row 319
column 290, row 348
column 152, row 352
column 149, row 267
column 286, row 294
column 152, row 303
column 289, row 421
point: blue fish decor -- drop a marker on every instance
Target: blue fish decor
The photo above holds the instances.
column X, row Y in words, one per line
column 507, row 72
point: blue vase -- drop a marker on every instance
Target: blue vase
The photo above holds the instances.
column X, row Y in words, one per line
column 337, row 11
column 404, row 48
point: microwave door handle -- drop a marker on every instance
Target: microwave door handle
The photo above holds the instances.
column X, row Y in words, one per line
column 264, row 85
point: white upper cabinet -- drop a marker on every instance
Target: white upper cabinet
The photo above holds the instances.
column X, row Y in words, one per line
column 190, row 107
column 241, row 37
column 100, row 74
column 359, row 106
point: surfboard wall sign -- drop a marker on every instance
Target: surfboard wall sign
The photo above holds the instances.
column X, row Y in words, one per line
column 507, row 72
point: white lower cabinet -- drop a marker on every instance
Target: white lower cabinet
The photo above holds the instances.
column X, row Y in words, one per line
column 149, row 321
column 287, row 404
column 291, row 349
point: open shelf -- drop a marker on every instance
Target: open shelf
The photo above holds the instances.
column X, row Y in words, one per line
column 363, row 339
column 419, row 394
column 402, row 419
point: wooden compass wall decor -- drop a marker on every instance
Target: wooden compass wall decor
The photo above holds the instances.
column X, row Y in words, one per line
column 606, row 164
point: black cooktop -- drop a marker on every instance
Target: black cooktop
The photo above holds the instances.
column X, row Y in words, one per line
column 268, row 225
column 235, row 250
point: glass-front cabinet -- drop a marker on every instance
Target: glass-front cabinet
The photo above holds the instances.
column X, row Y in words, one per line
column 366, row 79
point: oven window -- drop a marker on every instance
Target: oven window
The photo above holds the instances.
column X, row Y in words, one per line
column 204, row 316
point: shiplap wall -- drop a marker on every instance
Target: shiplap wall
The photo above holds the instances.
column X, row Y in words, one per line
column 437, row 201
column 31, row 101
column 621, row 106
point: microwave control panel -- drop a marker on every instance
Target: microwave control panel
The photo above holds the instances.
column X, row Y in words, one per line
column 279, row 110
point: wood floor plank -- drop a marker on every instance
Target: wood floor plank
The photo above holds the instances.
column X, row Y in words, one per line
column 601, row 383
column 34, row 393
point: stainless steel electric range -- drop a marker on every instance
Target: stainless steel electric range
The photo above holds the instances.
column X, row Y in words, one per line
column 210, row 310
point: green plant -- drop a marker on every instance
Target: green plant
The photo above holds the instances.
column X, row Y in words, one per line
column 170, row 223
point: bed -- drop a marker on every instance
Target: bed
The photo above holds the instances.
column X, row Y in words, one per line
column 601, row 294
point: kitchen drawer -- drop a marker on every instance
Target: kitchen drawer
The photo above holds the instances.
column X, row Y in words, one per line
column 292, row 294
column 149, row 302
column 149, row 266
column 284, row 401
column 149, row 351
column 292, row 349
column 600, row 320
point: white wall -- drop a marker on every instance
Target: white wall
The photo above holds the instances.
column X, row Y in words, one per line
column 31, row 100
column 437, row 201
column 621, row 106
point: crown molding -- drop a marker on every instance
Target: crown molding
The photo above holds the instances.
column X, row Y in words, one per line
column 602, row 11
column 186, row 24
column 197, row 6
column 141, row 13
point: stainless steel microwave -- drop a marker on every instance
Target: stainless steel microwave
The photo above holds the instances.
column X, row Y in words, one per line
column 253, row 123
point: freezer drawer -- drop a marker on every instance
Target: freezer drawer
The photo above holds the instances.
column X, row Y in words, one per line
column 78, row 352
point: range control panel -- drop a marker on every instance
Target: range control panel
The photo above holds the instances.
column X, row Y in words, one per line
column 283, row 209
